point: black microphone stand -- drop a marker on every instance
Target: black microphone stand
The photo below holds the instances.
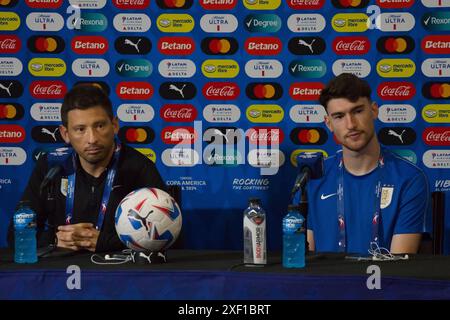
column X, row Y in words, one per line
column 303, row 207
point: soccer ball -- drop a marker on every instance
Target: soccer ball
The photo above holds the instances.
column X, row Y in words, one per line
column 148, row 219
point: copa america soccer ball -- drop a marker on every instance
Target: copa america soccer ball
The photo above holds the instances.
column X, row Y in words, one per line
column 148, row 219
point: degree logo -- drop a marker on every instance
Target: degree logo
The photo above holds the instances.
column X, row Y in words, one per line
column 46, row 44
column 395, row 45
column 11, row 111
column 219, row 46
column 436, row 90
column 264, row 91
column 134, row 68
column 267, row 23
column 136, row 135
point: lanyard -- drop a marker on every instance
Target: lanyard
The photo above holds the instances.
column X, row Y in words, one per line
column 342, row 242
column 106, row 193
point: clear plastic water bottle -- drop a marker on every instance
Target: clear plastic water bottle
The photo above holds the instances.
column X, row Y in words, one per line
column 294, row 233
column 25, row 234
column 255, row 233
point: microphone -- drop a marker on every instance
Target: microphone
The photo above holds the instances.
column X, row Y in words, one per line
column 51, row 174
column 310, row 165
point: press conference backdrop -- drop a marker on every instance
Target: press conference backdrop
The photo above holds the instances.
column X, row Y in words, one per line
column 255, row 65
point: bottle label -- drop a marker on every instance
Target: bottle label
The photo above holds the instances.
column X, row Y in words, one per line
column 24, row 220
column 254, row 241
column 293, row 225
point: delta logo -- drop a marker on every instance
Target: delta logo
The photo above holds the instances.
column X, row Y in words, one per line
column 176, row 46
column 220, row 68
column 10, row 66
column 178, row 113
column 90, row 67
column 265, row 136
column 9, row 21
column 433, row 159
column 308, row 136
column 306, row 91
column 11, row 111
column 136, row 135
column 44, row 21
column 439, row 67
column 351, row 45
column 436, row 3
column 436, row 113
column 223, row 23
column 436, row 44
column 8, row 3
column 89, row 45
column 136, row 22
column 131, row 4
column 395, row 22
column 436, row 21
column 306, row 23
column 395, row 45
column 396, row 68
column 261, row 4
column 436, row 90
column 267, row 23
column 436, row 136
column 218, row 4
column 264, row 91
column 305, row 4
column 47, row 67
column 221, row 113
column 132, row 45
column 88, row 5
column 9, row 44
column 396, row 90
column 172, row 22
column 44, row 111
column 221, row 91
column 174, row 4
column 396, row 113
column 52, row 89
column 350, row 4
column 263, row 46
column 306, row 45
column 46, row 44
column 134, row 90
column 179, row 135
column 395, row 4
column 133, row 112
column 12, row 156
column 42, row 4
column 219, row 46
column 350, row 22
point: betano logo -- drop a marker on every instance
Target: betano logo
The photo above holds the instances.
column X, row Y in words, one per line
column 395, row 45
column 9, row 21
column 314, row 68
column 11, row 133
column 176, row 46
column 218, row 4
column 136, row 22
column 307, row 113
column 396, row 4
column 171, row 22
column 90, row 67
column 179, row 135
column 267, row 23
column 44, row 21
column 350, row 22
column 263, row 46
column 134, row 90
column 261, row 4
column 223, row 23
column 436, row 21
column 438, row 67
column 306, row 90
column 359, row 67
column 133, row 112
column 296, row 152
column 434, row 44
column 134, row 68
column 265, row 113
column 46, row 44
column 396, row 68
column 220, row 68
column 11, row 111
column 436, row 113
column 149, row 153
column 397, row 113
column 436, row 90
column 395, row 22
column 12, row 156
column 306, row 23
column 89, row 45
column 263, row 68
column 47, row 67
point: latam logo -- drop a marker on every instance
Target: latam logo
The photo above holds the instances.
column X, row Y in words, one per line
column 10, row 67
column 226, row 68
column 436, row 21
column 395, row 22
column 350, row 4
column 263, row 46
column 9, row 21
column 179, row 135
column 436, row 113
column 308, row 136
column 395, row 45
column 44, row 111
column 266, row 158
column 10, row 89
column 180, row 157
column 134, row 90
column 11, row 111
column 350, row 22
column 219, row 46
column 436, row 136
column 169, row 22
column 44, row 4
column 134, row 68
column 12, row 156
column 47, row 67
column 44, row 21
column 178, row 113
column 433, row 159
column 262, row 4
column 436, row 3
column 314, row 68
column 132, row 45
column 266, row 23
column 306, row 90
column 265, row 136
column 11, row 133
column 177, row 68
column 133, row 112
column 218, row 4
column 396, row 90
column 89, row 45
column 9, row 44
column 46, row 44
column 397, row 113
column 90, row 67
column 136, row 22
column 46, row 134
column 395, row 4
column 306, row 23
column 263, row 68
column 52, row 89
column 88, row 4
column 223, row 135
column 305, row 4
column 8, row 3
column 136, row 135
column 436, row 90
column 174, row 4
column 223, row 23
column 439, row 67
column 264, row 91
column 397, row 136
column 359, row 67
column 307, row 113
column 436, row 44
column 221, row 113
column 221, row 91
column 351, row 45
column 265, row 113
column 177, row 90
column 176, row 46
column 101, row 84
column 131, row 4
column 306, row 45
column 396, row 68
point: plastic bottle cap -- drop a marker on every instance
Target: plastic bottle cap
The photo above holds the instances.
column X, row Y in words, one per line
column 254, row 200
column 293, row 207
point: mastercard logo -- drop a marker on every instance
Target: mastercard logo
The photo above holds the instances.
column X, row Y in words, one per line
column 219, row 46
column 46, row 44
column 11, row 111
column 350, row 3
column 8, row 3
column 395, row 45
column 174, row 4
column 436, row 90
column 138, row 135
column 309, row 136
column 264, row 91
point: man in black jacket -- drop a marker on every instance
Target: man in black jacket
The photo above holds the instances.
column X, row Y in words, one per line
column 75, row 192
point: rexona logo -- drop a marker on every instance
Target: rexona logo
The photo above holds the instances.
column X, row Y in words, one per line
column 46, row 44
column 261, row 4
column 218, row 4
column 305, row 4
column 306, row 23
column 439, row 67
column 306, row 45
column 306, row 90
column 221, row 91
column 170, row 22
column 222, row 156
column 46, row 134
column 434, row 159
column 313, row 68
column 436, row 113
column 350, row 22
column 12, row 156
column 397, row 136
column 350, row 4
column 134, row 68
column 11, row 133
column 180, row 157
column 52, row 89
column 351, row 45
column 395, row 4
column 176, row 46
column 178, row 113
column 308, row 136
column 264, row 91
column 263, row 46
column 11, row 111
column 436, row 136
column 307, row 113
column 395, row 22
column 136, row 135
column 10, row 89
column 406, row 154
column 219, row 46
column 263, row 68
column 44, row 111
column 92, row 22
column 133, row 112
column 47, row 67
column 266, row 158
column 265, row 113
column 8, row 3
column 221, row 113
column 10, row 67
column 90, row 67
column 9, row 44
column 265, row 136
column 222, row 135
column 132, row 45
column 267, row 23
column 223, row 23
column 179, row 135
column 220, row 68
column 436, row 44
column 89, row 45
column 395, row 45
column 44, row 21
column 177, row 90
column 131, row 4
column 174, row 4
column 134, row 90
column 436, row 90
column 177, row 68
column 43, row 4
column 396, row 68
column 135, row 22
column 9, row 21
column 397, row 113
column 101, row 84
column 396, row 90
column 89, row 5
column 436, row 3
column 436, row 21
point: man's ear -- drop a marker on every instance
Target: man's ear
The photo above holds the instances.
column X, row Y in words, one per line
column 64, row 133
column 115, row 123
column 374, row 108
column 328, row 123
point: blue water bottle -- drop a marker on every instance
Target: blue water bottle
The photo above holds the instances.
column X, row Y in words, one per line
column 25, row 234
column 294, row 233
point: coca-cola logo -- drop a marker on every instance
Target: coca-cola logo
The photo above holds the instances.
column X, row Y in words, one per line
column 263, row 46
column 351, row 45
column 305, row 4
column 44, row 4
column 306, row 90
column 221, row 90
column 134, row 90
column 178, row 135
column 436, row 136
column 131, row 4
column 176, row 45
column 218, row 4
column 178, row 113
column 48, row 89
column 89, row 45
column 396, row 90
column 9, row 44
column 264, row 136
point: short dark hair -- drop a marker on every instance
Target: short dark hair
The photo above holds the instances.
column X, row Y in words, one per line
column 85, row 96
column 345, row 85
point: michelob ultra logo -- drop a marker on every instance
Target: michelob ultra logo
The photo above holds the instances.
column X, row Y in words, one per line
column 10, row 67
column 133, row 112
column 11, row 111
column 9, row 21
column 149, row 153
column 306, row 23
column 436, row 90
column 220, row 68
column 218, row 4
column 93, row 4
column 46, row 44
column 171, row 22
column 359, row 67
column 12, row 156
column 263, row 68
column 436, row 3
column 263, row 46
column 180, row 157
column 136, row 22
column 397, row 113
column 45, row 21
column 267, row 23
column 261, row 4
column 439, row 67
column 436, row 21
column 307, row 113
column 395, row 45
column 350, row 4
column 93, row 22
column 90, row 67
column 265, row 113
column 436, row 113
column 219, row 46
column 224, row 23
column 296, row 152
column 134, row 68
column 174, row 4
column 436, row 44
column 314, row 68
column 396, row 68
column 395, row 22
column 47, row 67
column 350, row 22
